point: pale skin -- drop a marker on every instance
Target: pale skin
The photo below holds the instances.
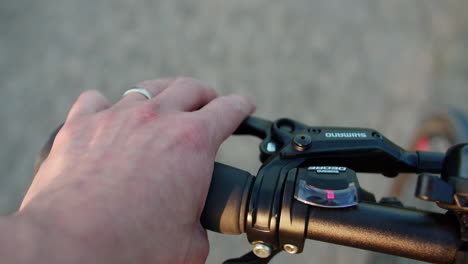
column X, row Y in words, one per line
column 126, row 183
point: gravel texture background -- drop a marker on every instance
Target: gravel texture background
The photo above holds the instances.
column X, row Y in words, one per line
column 368, row 63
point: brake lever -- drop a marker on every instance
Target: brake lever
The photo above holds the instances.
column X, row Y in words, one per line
column 362, row 149
column 254, row 126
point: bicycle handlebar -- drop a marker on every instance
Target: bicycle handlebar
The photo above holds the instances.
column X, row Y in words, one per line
column 267, row 209
column 425, row 236
column 408, row 233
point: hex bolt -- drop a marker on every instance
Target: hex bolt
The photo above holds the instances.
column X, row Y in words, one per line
column 261, row 250
column 302, row 142
column 291, row 249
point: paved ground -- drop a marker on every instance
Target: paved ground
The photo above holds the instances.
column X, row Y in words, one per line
column 371, row 63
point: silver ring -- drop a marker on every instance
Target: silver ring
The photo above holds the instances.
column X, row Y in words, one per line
column 142, row 91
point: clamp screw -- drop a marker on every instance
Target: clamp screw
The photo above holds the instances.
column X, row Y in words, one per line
column 291, row 249
column 261, row 250
column 302, row 142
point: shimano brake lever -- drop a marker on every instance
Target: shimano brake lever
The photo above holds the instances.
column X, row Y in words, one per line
column 254, row 126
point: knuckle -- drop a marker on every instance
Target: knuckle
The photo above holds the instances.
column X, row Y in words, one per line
column 198, row 87
column 193, row 84
column 234, row 103
column 68, row 130
column 192, row 134
column 145, row 113
column 89, row 93
column 184, row 79
column 210, row 91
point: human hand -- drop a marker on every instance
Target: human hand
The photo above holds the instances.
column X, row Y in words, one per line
column 126, row 183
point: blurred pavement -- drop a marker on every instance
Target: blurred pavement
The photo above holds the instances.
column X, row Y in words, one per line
column 368, row 63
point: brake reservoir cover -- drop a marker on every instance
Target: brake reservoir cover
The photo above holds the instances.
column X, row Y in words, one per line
column 327, row 186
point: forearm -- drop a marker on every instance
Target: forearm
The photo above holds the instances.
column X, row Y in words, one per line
column 68, row 234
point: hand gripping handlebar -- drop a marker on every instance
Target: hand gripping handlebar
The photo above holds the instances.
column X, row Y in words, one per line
column 307, row 188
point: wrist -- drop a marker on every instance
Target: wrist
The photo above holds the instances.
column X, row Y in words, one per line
column 18, row 240
column 53, row 236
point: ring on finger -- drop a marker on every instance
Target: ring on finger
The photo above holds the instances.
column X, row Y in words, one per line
column 140, row 90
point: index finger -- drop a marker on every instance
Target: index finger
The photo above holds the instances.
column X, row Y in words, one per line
column 224, row 114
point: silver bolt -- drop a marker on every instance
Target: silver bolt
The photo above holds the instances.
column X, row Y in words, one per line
column 271, row 147
column 291, row 249
column 261, row 250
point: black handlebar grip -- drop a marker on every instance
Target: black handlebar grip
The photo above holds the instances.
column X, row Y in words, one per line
column 225, row 206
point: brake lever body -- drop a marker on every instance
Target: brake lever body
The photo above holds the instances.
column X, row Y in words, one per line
column 361, row 149
column 287, row 145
